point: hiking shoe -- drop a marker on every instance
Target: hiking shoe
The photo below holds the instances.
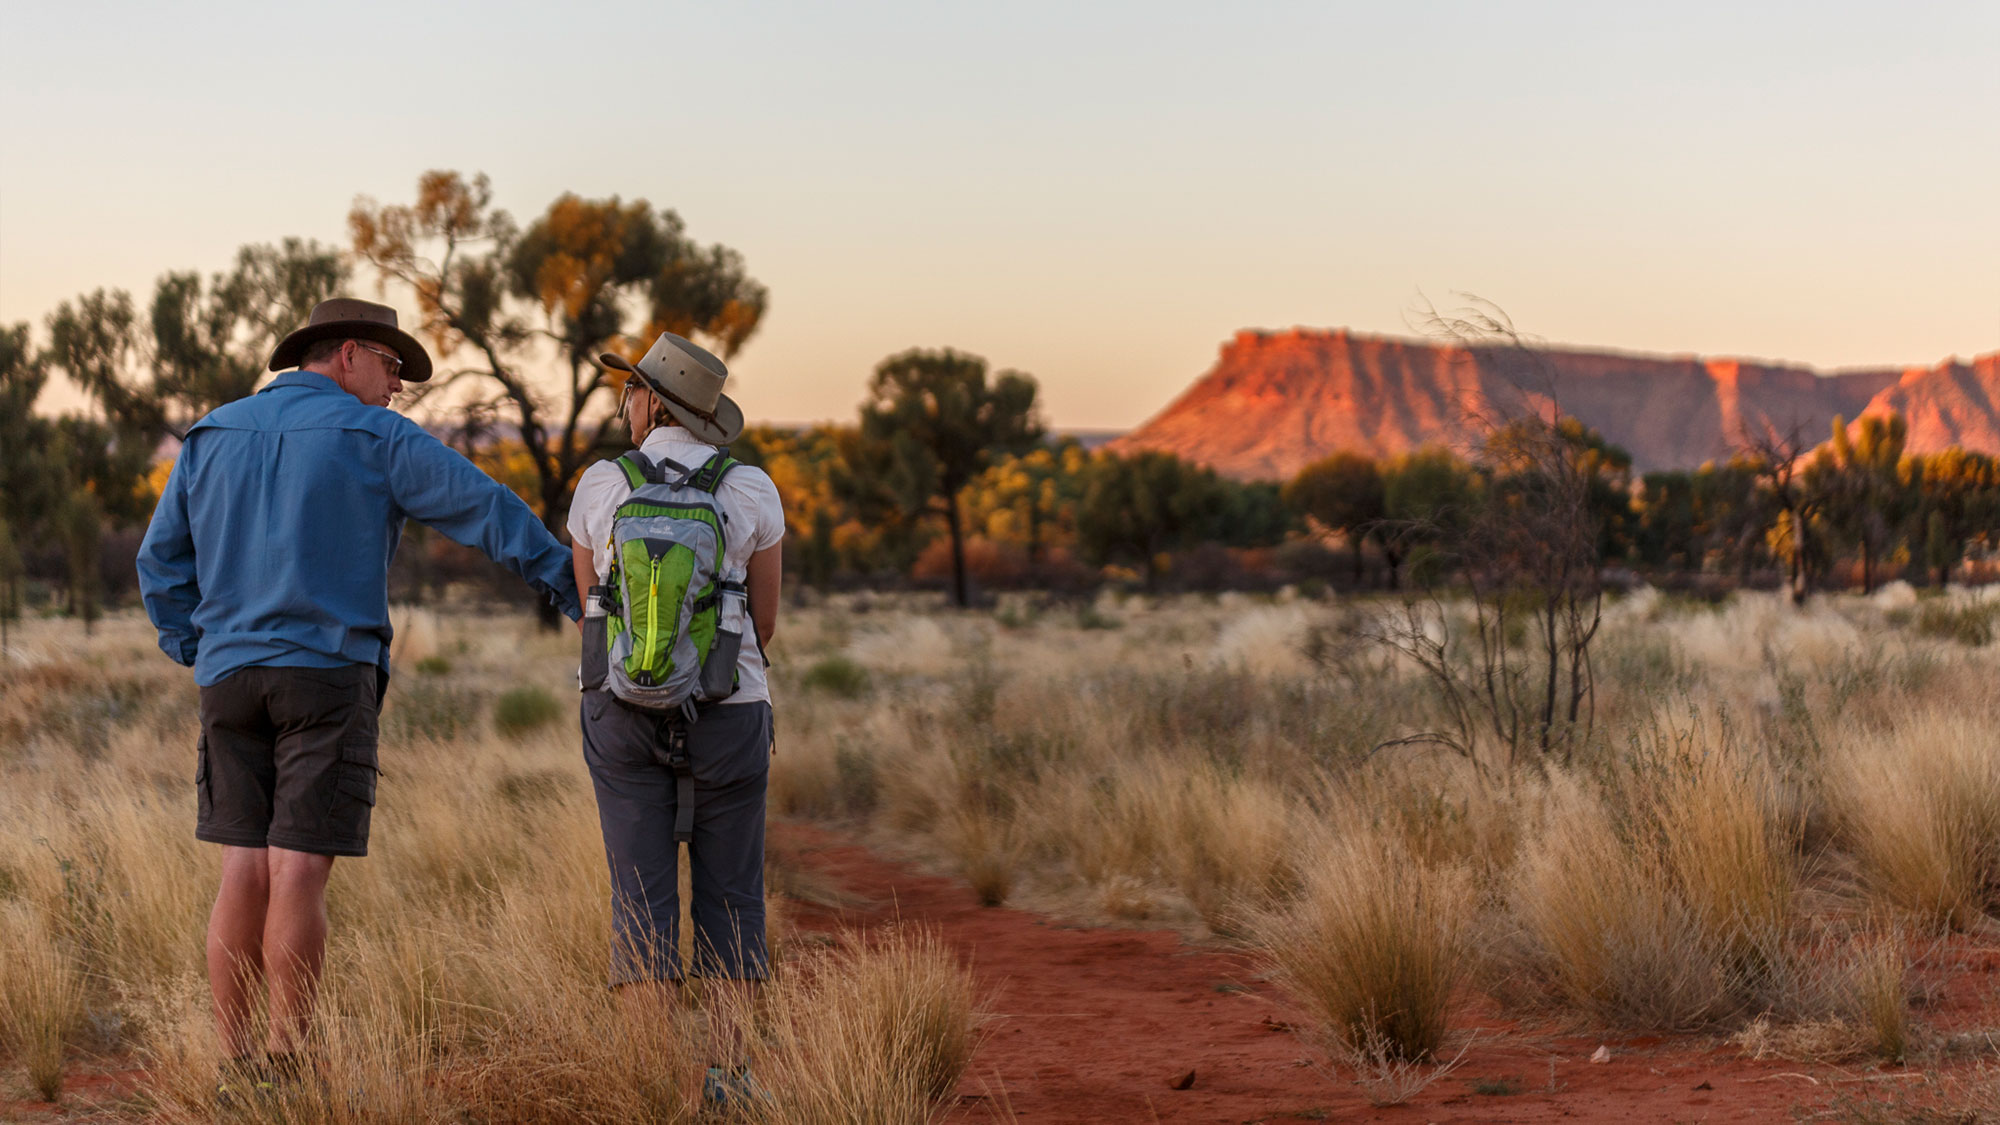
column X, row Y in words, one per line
column 726, row 1089
column 243, row 1084
column 296, row 1075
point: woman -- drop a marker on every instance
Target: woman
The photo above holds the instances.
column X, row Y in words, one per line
column 674, row 403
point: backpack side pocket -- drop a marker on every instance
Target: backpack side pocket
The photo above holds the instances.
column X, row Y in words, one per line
column 732, row 617
column 596, row 663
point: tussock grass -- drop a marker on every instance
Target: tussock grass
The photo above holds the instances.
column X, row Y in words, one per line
column 1921, row 810
column 41, row 998
column 1853, row 1002
column 1373, row 946
column 1184, row 768
column 878, row 1029
column 1729, row 851
column 1605, row 932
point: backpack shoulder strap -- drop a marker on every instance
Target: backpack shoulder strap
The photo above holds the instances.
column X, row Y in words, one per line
column 638, row 470
column 709, row 477
column 643, row 470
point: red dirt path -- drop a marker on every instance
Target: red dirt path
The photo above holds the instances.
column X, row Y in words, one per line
column 1094, row 1024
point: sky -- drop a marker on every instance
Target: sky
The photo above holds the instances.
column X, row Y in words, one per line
column 1098, row 194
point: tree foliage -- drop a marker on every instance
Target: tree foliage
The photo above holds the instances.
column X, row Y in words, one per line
column 931, row 423
column 199, row 345
column 517, row 317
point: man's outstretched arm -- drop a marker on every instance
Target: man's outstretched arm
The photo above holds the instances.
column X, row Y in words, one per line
column 167, row 580
column 436, row 486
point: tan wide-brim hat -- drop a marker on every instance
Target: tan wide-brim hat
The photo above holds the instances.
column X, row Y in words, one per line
column 688, row 380
column 344, row 318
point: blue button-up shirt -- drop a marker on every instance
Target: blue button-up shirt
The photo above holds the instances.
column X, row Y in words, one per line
column 272, row 539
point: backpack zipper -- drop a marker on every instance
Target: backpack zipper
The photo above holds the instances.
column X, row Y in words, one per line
column 653, row 613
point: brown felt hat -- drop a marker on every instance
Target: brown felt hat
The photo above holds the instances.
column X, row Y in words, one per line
column 344, row 318
column 688, row 380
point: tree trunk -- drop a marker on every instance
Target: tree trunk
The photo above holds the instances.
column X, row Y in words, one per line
column 957, row 551
column 1354, row 540
column 1800, row 581
column 1554, row 664
column 1867, row 566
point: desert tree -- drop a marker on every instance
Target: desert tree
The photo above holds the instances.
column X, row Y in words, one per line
column 1731, row 512
column 933, row 421
column 1342, row 493
column 1031, row 497
column 199, row 345
column 1667, row 526
column 1779, row 460
column 1525, row 537
column 1426, row 494
column 1958, row 498
column 27, row 484
column 518, row 316
column 12, row 571
column 1858, row 475
column 79, row 526
column 1139, row 507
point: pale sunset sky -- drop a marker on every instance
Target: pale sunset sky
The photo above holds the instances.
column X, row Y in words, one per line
column 1097, row 194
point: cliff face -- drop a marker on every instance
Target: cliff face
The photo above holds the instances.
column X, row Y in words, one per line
column 1276, row 401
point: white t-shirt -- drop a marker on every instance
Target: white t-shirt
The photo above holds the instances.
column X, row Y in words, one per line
column 753, row 520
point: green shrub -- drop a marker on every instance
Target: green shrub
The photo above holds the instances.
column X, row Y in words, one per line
column 533, row 787
column 1089, row 617
column 423, row 708
column 434, row 666
column 525, row 709
column 838, row 675
column 1969, row 625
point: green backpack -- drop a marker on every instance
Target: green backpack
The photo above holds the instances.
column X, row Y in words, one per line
column 677, row 617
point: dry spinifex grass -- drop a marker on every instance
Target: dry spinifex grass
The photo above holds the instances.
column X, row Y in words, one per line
column 1166, row 769
column 1920, row 807
column 878, row 1029
column 1373, row 946
column 41, row 997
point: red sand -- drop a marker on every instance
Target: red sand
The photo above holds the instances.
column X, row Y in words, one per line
column 1094, row 1025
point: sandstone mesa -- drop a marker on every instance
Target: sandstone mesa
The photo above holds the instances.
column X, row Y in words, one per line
column 1277, row 401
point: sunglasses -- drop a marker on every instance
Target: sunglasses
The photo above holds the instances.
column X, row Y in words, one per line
column 390, row 360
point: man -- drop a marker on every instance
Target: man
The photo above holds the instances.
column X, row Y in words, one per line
column 266, row 569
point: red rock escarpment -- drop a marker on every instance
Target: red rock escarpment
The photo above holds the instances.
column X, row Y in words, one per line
column 1276, row 401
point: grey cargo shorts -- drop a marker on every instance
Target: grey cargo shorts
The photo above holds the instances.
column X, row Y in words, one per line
column 729, row 751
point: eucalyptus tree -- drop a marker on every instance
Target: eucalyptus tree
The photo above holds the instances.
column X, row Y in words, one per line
column 934, row 422
column 198, row 345
column 517, row 317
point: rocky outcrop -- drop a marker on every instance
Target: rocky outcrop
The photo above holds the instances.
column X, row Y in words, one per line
column 1276, row 401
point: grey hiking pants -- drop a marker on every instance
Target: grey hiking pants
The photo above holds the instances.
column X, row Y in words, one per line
column 729, row 753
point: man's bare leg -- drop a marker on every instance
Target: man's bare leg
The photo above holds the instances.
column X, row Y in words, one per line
column 236, row 945
column 294, row 943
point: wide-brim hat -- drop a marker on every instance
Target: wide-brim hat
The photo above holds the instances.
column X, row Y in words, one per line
column 688, row 380
column 344, row 318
